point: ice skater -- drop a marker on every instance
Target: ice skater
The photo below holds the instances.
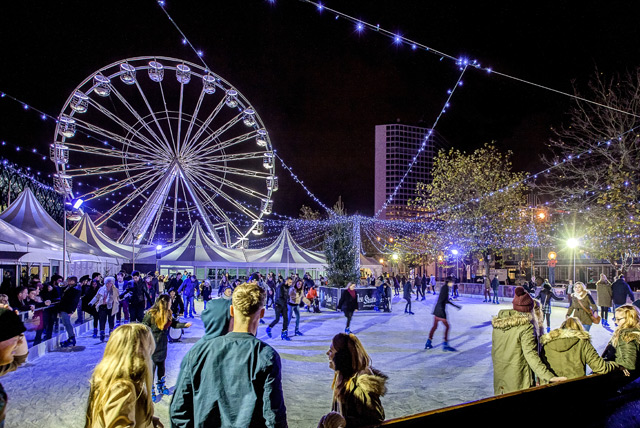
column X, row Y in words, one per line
column 406, row 289
column 349, row 304
column 159, row 319
column 440, row 315
column 282, row 295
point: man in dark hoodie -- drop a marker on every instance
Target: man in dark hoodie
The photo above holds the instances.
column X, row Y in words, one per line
column 139, row 292
column 68, row 304
column 230, row 379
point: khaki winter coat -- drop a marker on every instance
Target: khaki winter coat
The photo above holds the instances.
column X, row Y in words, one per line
column 361, row 405
column 514, row 352
column 123, row 409
column 567, row 352
column 605, row 295
column 628, row 349
column 578, row 310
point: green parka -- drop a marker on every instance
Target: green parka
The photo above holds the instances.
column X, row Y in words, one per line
column 514, row 352
column 578, row 310
column 628, row 349
column 567, row 352
column 605, row 294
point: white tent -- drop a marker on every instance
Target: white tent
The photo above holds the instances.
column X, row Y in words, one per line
column 86, row 231
column 285, row 252
column 26, row 214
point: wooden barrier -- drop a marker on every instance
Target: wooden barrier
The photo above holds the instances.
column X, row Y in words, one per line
column 590, row 401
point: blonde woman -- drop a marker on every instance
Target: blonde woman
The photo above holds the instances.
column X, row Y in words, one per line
column 121, row 382
column 582, row 305
column 357, row 387
column 568, row 350
column 626, row 338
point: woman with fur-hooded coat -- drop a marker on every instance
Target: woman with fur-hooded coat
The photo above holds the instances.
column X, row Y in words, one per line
column 357, row 387
column 514, row 348
column 626, row 339
column 568, row 350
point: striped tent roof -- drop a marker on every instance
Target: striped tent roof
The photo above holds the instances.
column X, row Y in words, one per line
column 284, row 251
column 87, row 231
column 196, row 246
column 27, row 214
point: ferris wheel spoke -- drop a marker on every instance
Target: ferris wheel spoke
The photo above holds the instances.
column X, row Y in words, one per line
column 142, row 220
column 235, row 157
column 211, row 138
column 226, row 144
column 134, row 112
column 104, row 152
column 166, row 111
column 108, row 169
column 124, row 202
column 156, row 221
column 205, row 168
column 194, row 116
column 113, row 136
column 204, row 126
column 120, row 184
column 210, row 178
column 153, row 115
column 229, row 199
column 218, row 210
column 184, row 192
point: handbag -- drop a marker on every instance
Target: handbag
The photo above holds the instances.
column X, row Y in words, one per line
column 595, row 318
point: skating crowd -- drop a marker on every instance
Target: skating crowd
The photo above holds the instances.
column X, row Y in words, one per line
column 231, row 378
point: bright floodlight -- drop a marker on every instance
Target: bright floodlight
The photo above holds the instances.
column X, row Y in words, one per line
column 77, row 203
column 395, row 256
column 158, row 247
column 455, row 252
column 572, row 242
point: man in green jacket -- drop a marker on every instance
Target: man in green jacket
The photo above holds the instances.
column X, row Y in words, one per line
column 231, row 379
column 514, row 348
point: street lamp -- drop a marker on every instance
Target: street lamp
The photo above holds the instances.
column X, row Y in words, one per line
column 75, row 205
column 455, row 253
column 573, row 244
column 158, row 248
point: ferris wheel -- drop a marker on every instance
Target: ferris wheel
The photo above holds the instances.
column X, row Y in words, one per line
column 157, row 143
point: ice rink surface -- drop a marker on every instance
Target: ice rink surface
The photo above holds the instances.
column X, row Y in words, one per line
column 52, row 391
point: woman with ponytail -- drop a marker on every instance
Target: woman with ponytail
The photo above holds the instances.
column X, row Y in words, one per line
column 159, row 319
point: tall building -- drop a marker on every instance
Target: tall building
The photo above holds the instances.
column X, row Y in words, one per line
column 396, row 146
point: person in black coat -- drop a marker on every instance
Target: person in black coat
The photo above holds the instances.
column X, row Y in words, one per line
column 139, row 292
column 406, row 289
column 68, row 305
column 89, row 294
column 349, row 304
column 620, row 291
column 418, row 285
column 282, row 296
column 440, row 315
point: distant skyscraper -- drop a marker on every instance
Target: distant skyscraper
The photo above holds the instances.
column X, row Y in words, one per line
column 396, row 146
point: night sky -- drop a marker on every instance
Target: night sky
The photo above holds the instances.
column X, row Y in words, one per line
column 319, row 86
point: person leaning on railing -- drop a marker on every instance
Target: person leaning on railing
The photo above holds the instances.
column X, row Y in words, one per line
column 514, row 349
column 568, row 349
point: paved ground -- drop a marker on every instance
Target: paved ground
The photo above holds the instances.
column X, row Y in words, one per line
column 52, row 391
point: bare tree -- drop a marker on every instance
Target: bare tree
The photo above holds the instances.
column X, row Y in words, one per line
column 594, row 168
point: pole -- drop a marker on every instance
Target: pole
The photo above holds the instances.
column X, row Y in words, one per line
column 133, row 252
column 64, row 241
column 574, row 265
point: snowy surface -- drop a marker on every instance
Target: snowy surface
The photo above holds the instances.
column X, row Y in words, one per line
column 52, row 391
